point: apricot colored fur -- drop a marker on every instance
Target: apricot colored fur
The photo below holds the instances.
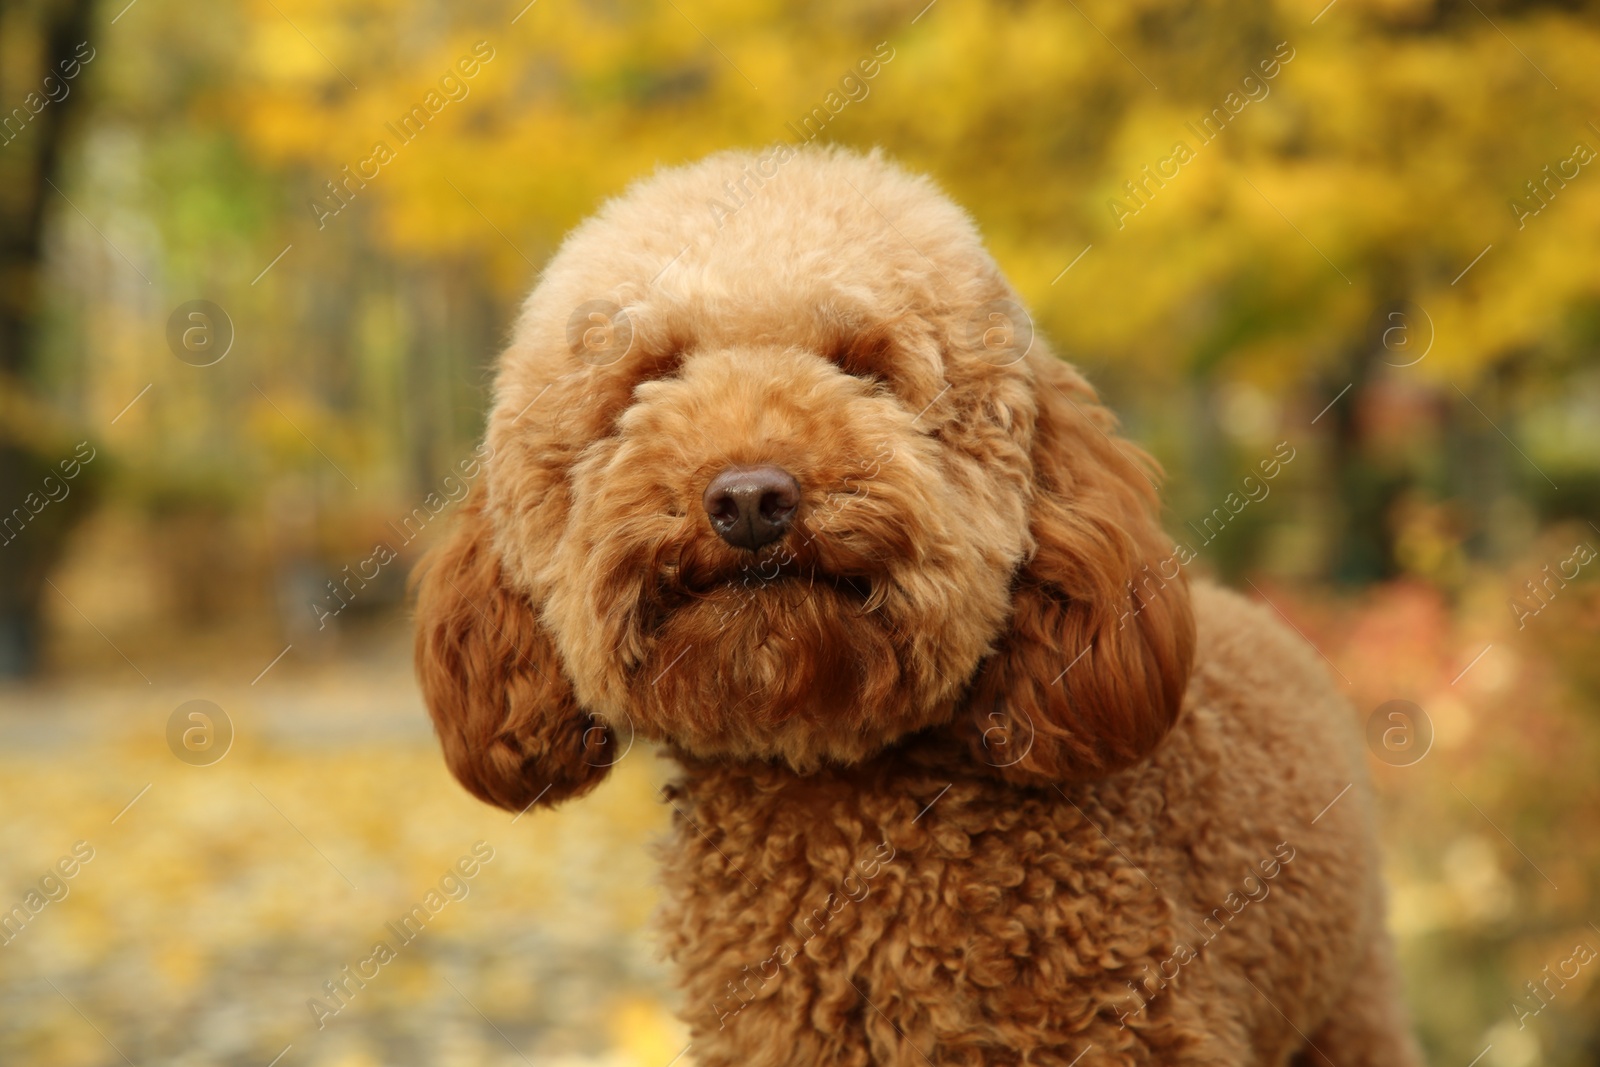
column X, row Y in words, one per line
column 969, row 774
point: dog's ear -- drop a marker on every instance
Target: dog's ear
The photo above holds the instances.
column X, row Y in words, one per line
column 1091, row 674
column 511, row 729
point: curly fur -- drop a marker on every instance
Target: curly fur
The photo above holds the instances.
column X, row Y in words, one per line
column 969, row 775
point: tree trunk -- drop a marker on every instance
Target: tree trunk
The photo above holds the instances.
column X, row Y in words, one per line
column 32, row 530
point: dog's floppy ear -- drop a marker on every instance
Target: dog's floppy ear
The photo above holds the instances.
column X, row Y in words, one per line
column 511, row 729
column 1091, row 674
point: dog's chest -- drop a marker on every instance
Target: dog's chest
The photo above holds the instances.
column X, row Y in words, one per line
column 811, row 910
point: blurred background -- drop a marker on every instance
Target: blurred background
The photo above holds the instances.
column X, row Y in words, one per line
column 241, row 349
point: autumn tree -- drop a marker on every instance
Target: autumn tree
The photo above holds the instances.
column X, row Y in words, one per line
column 41, row 89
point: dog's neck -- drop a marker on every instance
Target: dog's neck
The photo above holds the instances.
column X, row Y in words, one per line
column 932, row 754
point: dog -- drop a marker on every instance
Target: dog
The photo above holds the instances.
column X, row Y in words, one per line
column 971, row 773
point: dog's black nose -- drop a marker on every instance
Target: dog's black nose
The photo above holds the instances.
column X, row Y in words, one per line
column 752, row 506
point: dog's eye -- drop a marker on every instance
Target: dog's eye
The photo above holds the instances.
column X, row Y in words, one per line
column 864, row 355
column 655, row 366
column 866, row 374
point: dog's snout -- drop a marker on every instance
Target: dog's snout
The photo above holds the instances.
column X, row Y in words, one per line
column 752, row 506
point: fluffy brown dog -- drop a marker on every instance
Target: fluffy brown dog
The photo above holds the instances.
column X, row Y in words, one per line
column 781, row 480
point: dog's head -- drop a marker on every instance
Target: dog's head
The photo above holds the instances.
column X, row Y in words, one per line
column 780, row 472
